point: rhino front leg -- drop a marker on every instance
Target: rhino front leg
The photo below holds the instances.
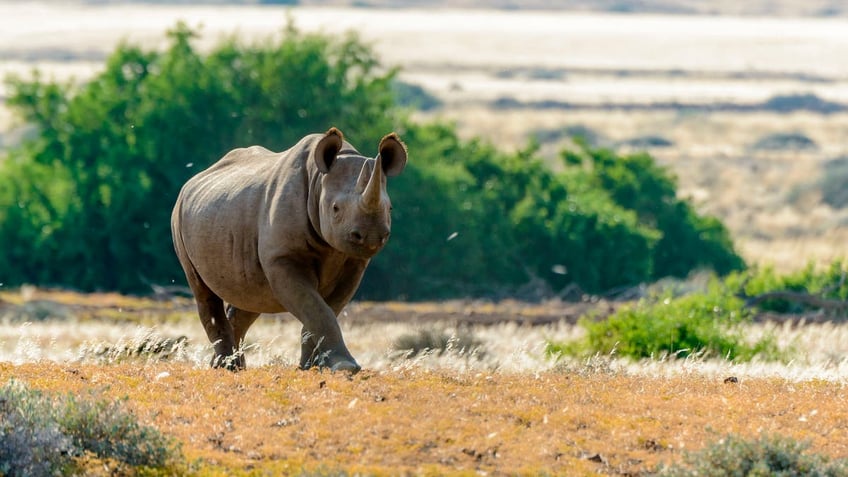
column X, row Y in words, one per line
column 347, row 285
column 337, row 300
column 296, row 287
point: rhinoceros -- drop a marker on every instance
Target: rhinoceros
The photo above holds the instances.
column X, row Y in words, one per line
column 270, row 232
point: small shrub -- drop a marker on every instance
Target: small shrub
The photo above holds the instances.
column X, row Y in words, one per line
column 36, row 311
column 107, row 430
column 49, row 435
column 649, row 141
column 791, row 141
column 414, row 96
column 436, row 341
column 31, row 441
column 702, row 324
column 784, row 103
column 766, row 456
column 828, row 284
column 579, row 132
column 834, row 183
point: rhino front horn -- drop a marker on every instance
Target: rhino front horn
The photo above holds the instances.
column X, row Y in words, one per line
column 373, row 193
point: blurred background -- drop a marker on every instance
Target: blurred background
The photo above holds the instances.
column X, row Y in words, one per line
column 555, row 146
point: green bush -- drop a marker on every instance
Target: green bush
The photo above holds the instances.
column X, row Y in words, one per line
column 687, row 240
column 470, row 220
column 87, row 204
column 772, row 456
column 46, row 435
column 830, row 283
column 696, row 324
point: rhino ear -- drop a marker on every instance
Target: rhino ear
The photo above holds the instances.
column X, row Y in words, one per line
column 327, row 149
column 393, row 154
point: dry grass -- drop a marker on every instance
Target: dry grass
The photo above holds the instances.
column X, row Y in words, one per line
column 276, row 420
column 509, row 337
column 504, row 409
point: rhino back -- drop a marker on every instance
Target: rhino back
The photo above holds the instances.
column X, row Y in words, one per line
column 224, row 211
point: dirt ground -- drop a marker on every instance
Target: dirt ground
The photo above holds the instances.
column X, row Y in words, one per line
column 278, row 420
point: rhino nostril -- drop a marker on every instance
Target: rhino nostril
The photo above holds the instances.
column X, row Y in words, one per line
column 355, row 236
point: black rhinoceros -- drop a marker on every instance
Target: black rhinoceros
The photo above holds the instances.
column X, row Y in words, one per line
column 268, row 232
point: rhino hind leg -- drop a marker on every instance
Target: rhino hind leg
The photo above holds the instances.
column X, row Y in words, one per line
column 240, row 320
column 218, row 329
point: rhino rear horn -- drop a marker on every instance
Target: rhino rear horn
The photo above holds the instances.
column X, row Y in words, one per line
column 328, row 147
column 393, row 152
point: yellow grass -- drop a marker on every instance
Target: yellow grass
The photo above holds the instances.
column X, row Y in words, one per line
column 279, row 420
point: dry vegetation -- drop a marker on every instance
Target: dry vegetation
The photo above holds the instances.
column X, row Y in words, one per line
column 277, row 420
column 503, row 408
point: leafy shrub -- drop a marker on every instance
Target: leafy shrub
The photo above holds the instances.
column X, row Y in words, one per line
column 47, row 435
column 701, row 323
column 828, row 284
column 31, row 441
column 87, row 202
column 687, row 240
column 470, row 220
column 765, row 456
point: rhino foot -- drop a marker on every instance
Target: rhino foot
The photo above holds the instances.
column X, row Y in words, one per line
column 233, row 362
column 334, row 362
column 346, row 366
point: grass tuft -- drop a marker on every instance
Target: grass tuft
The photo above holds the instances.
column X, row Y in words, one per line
column 767, row 455
column 431, row 340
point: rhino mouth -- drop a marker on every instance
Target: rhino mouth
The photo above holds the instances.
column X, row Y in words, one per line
column 365, row 243
column 363, row 250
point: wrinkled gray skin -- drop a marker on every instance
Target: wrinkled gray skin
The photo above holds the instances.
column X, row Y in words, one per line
column 268, row 232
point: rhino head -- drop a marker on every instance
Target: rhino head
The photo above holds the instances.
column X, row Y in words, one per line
column 354, row 209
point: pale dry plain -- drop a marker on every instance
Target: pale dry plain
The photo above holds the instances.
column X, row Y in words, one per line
column 502, row 406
